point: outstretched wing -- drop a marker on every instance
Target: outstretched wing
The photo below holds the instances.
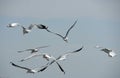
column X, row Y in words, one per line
column 31, row 56
column 70, row 28
column 60, row 67
column 42, row 47
column 19, row 66
column 25, row 50
column 63, row 57
column 31, row 26
column 106, row 50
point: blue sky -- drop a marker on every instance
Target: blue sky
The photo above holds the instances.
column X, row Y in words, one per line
column 98, row 24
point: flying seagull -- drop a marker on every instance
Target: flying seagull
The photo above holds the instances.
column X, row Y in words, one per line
column 110, row 52
column 62, row 57
column 11, row 25
column 65, row 38
column 33, row 50
column 28, row 69
column 27, row 30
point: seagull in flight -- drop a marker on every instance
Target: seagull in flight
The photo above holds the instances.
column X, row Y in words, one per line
column 65, row 38
column 33, row 50
column 61, row 57
column 27, row 30
column 12, row 25
column 110, row 52
column 30, row 70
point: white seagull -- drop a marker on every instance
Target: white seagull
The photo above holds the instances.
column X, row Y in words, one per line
column 65, row 38
column 35, row 70
column 62, row 57
column 11, row 25
column 33, row 50
column 27, row 30
column 110, row 52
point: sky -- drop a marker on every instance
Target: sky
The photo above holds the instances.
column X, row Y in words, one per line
column 98, row 24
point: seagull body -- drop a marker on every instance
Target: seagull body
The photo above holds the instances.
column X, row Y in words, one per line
column 65, row 38
column 13, row 25
column 34, row 50
column 30, row 70
column 110, row 52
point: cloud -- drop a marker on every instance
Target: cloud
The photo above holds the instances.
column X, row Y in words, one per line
column 61, row 8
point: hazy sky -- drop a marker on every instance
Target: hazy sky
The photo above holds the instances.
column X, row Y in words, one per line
column 98, row 24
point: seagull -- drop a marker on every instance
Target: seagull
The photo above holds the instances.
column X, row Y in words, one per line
column 28, row 69
column 61, row 57
column 33, row 50
column 27, row 30
column 11, row 25
column 65, row 38
column 41, row 26
column 110, row 52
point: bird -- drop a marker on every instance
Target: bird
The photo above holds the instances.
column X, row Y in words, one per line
column 41, row 26
column 33, row 50
column 65, row 38
column 27, row 30
column 12, row 25
column 35, row 70
column 110, row 52
column 61, row 57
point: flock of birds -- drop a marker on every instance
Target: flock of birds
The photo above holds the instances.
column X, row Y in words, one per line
column 35, row 51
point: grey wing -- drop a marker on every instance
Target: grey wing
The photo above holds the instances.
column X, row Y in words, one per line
column 19, row 66
column 31, row 56
column 106, row 50
column 58, row 35
column 60, row 67
column 68, row 53
column 43, row 67
column 42, row 47
column 25, row 50
column 31, row 26
column 70, row 28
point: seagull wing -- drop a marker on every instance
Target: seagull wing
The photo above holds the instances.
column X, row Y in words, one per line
column 19, row 66
column 106, row 50
column 70, row 28
column 31, row 26
column 60, row 67
column 63, row 57
column 43, row 68
column 42, row 47
column 31, row 56
column 25, row 50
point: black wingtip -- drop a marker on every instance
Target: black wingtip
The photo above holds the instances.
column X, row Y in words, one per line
column 79, row 49
column 12, row 63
